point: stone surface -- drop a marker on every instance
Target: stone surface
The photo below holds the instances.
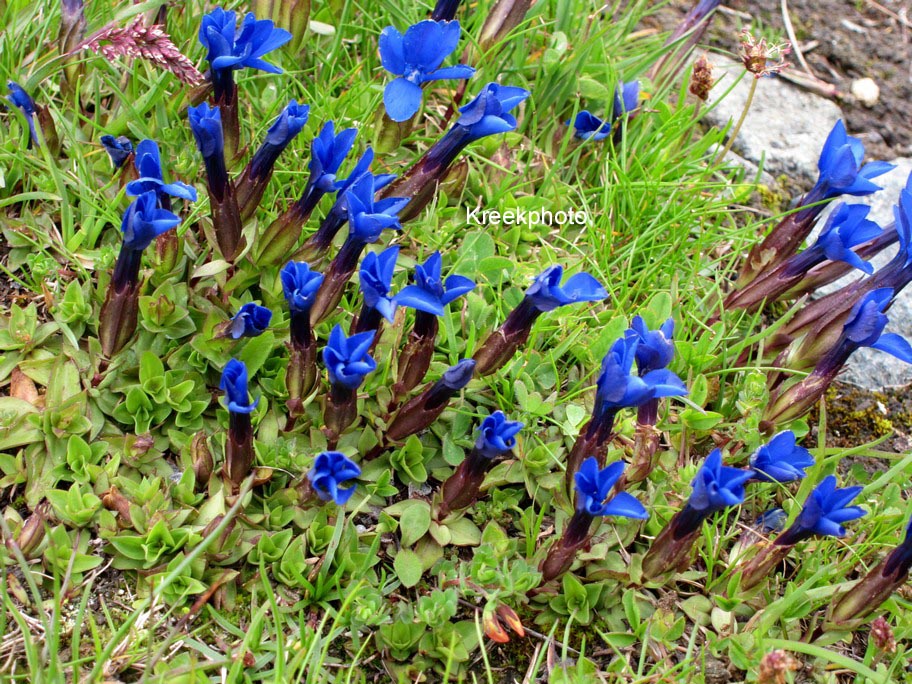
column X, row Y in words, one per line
column 870, row 368
column 786, row 125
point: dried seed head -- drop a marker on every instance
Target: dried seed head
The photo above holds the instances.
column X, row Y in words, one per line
column 762, row 58
column 701, row 80
column 774, row 667
column 145, row 42
column 882, row 635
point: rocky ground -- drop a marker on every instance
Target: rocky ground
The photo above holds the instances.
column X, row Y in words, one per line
column 852, row 60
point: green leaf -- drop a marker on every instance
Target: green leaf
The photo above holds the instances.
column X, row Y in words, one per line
column 408, row 568
column 698, row 420
column 464, row 532
column 593, row 90
column 414, row 523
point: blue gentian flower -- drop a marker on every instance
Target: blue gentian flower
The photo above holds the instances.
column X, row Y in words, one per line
column 593, row 486
column 717, row 486
column 20, row 99
column 250, row 321
column 617, row 388
column 330, row 470
column 119, row 149
column 327, row 154
column 360, row 169
column 416, row 58
column 148, row 164
column 206, row 124
column 846, row 227
column 376, row 277
column 546, row 293
column 824, row 512
column 488, row 113
column 841, row 168
column 234, row 385
column 771, row 521
column 347, row 358
column 655, row 348
column 445, row 10
column 496, row 435
column 781, row 460
column 588, row 126
column 900, row 559
column 144, row 221
column 283, row 130
column 229, row 47
column 866, row 322
column 626, row 99
column 456, row 377
column 429, row 293
column 368, row 217
column 300, row 285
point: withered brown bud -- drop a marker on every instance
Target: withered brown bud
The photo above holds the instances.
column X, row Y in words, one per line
column 882, row 635
column 113, row 500
column 774, row 667
column 701, row 80
column 202, row 458
column 33, row 529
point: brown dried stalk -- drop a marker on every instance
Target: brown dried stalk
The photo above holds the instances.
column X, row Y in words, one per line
column 143, row 42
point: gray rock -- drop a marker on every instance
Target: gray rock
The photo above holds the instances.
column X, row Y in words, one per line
column 785, row 127
column 869, row 368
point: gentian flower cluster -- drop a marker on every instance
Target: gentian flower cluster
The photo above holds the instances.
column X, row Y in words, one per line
column 415, row 59
column 842, row 172
column 864, row 328
column 328, row 151
column 618, row 388
column 846, row 228
column 317, row 244
column 230, row 47
column 368, row 218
